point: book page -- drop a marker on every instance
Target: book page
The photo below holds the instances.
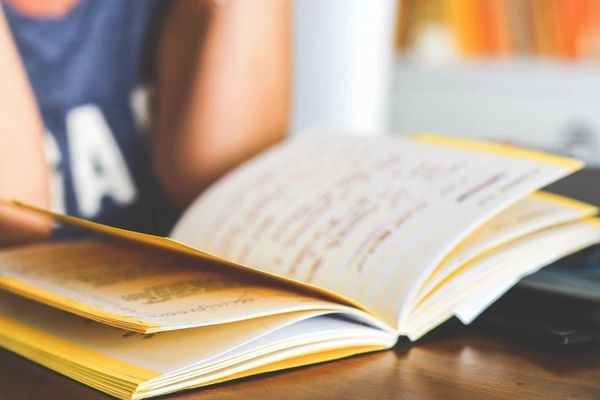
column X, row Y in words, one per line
column 143, row 289
column 122, row 363
column 369, row 219
column 160, row 352
column 480, row 281
column 535, row 212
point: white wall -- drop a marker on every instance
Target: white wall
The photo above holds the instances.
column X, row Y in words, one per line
column 343, row 55
column 540, row 104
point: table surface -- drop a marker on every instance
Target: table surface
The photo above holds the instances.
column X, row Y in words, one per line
column 454, row 363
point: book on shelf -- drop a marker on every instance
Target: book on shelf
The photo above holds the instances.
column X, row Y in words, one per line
column 322, row 247
column 565, row 30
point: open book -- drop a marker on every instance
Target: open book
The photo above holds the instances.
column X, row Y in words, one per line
column 322, row 247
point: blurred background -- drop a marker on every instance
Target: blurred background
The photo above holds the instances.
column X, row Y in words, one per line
column 518, row 71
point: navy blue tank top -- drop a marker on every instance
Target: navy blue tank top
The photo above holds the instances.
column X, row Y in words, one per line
column 91, row 73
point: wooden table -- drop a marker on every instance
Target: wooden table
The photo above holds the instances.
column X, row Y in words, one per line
column 454, row 363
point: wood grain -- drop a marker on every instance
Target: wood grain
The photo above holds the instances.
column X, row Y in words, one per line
column 454, row 363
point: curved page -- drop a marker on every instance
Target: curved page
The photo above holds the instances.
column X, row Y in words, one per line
column 535, row 212
column 481, row 280
column 143, row 289
column 129, row 365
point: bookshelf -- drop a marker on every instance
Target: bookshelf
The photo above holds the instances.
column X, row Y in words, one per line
column 522, row 71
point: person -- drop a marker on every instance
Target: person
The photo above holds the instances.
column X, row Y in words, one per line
column 75, row 76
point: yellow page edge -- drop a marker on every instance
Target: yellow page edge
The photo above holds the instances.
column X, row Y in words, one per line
column 51, row 299
column 173, row 245
column 498, row 149
column 64, row 349
column 565, row 201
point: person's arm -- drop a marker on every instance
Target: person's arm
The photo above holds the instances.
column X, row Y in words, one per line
column 223, row 89
column 23, row 169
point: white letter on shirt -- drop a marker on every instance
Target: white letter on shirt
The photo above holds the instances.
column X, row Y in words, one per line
column 97, row 164
column 139, row 102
